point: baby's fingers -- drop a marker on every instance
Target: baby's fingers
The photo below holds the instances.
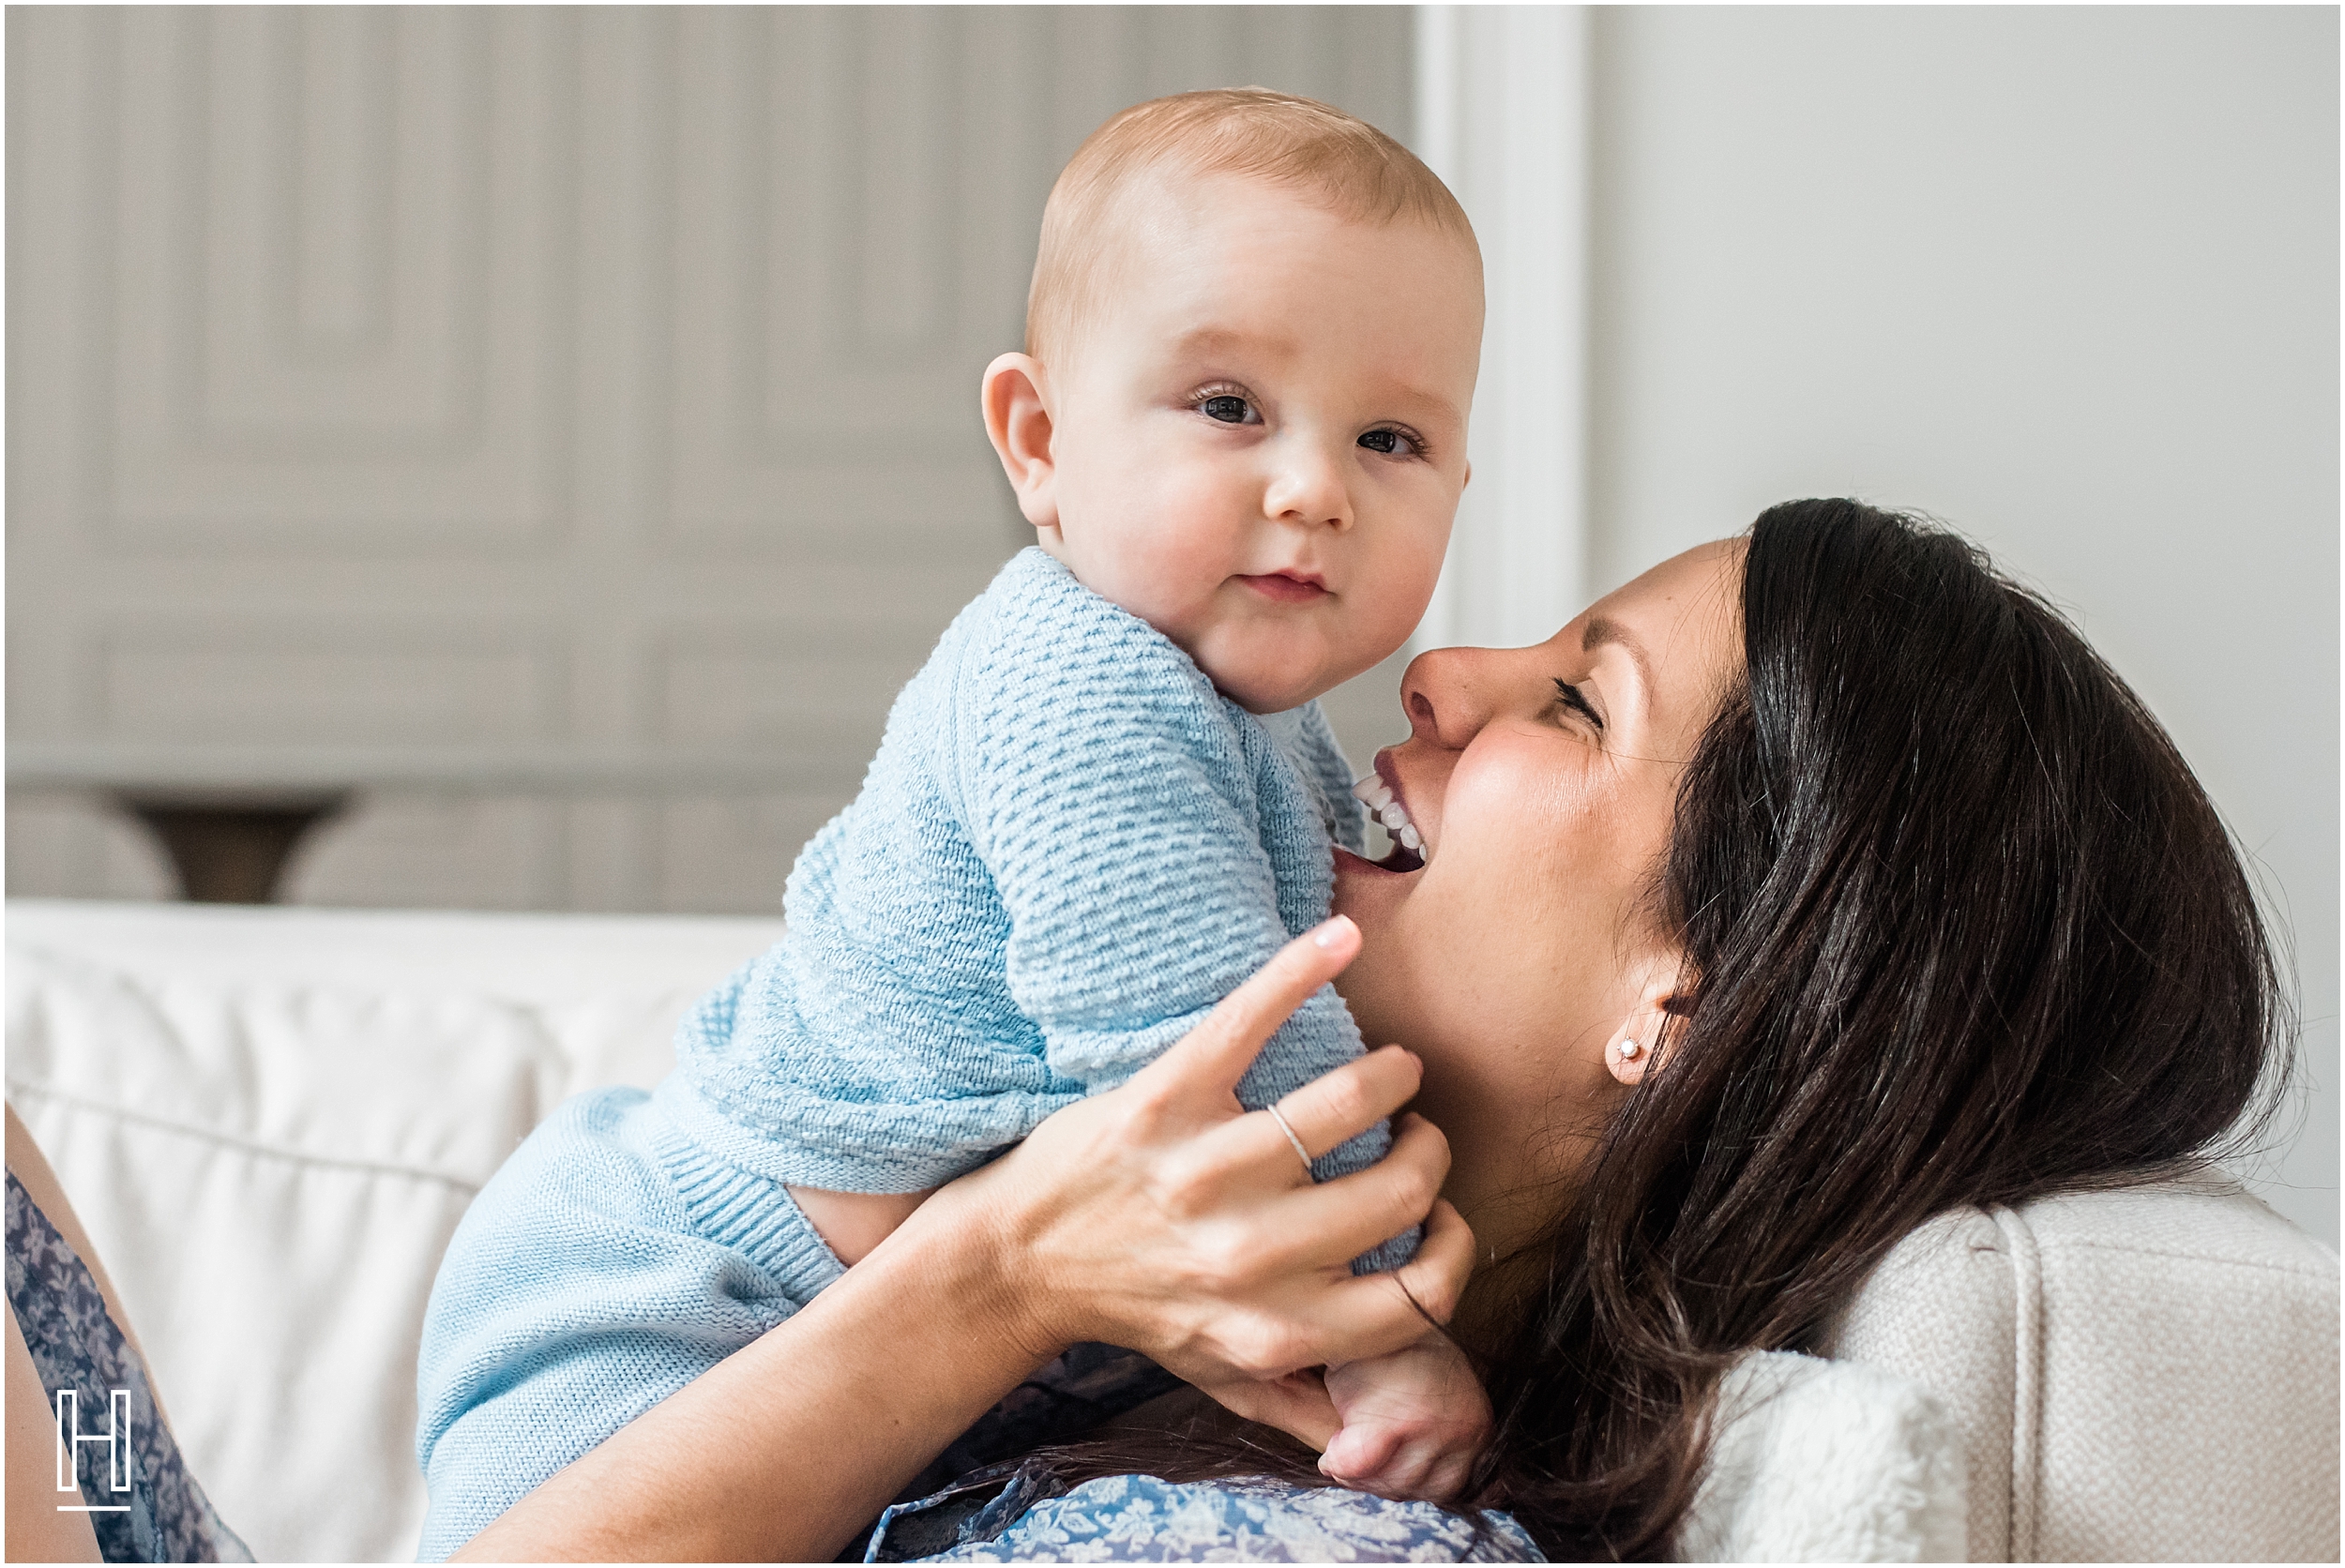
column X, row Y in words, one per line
column 1446, row 1478
column 1393, row 1463
column 1358, row 1454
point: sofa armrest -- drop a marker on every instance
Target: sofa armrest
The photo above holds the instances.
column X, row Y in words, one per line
column 2148, row 1373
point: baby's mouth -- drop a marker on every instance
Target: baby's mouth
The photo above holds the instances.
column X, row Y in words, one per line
column 1287, row 587
column 1408, row 845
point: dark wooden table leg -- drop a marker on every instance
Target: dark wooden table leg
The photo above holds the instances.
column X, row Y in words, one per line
column 231, row 851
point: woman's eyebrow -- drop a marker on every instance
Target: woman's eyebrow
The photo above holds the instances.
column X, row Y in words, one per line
column 1600, row 631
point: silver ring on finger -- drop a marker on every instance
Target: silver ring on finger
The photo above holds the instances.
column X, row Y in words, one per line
column 1300, row 1152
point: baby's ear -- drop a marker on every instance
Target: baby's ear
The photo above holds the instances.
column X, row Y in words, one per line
column 1017, row 403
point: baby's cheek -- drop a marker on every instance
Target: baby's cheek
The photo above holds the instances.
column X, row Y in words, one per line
column 1181, row 539
column 1400, row 562
column 1168, row 573
column 1381, row 617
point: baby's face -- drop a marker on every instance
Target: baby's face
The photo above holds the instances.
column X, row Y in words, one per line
column 1258, row 441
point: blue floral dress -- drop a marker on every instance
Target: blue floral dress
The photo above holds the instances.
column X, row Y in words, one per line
column 985, row 1502
column 143, row 1504
column 1139, row 1519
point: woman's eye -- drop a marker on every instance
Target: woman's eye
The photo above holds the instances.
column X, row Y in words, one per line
column 1573, row 700
column 1229, row 410
column 1390, row 443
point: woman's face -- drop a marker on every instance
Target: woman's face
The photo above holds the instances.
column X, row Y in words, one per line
column 1542, row 782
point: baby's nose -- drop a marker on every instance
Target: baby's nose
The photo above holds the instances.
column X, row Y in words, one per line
column 1308, row 489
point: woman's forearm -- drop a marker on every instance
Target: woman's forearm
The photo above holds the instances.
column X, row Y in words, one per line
column 789, row 1446
column 1158, row 1215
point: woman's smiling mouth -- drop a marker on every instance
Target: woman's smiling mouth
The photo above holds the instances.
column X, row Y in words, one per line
column 1377, row 794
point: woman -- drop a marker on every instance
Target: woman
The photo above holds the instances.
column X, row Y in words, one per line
column 1808, row 885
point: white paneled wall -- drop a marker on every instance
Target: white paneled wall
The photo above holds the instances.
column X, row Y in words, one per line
column 514, row 376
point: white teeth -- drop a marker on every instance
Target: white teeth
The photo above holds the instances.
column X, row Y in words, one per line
column 1377, row 795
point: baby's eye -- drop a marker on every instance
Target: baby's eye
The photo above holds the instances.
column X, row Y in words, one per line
column 1229, row 410
column 1390, row 443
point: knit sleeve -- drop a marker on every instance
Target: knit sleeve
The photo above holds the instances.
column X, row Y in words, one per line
column 1113, row 796
column 1329, row 774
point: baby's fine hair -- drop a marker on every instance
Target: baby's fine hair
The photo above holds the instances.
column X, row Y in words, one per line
column 1337, row 160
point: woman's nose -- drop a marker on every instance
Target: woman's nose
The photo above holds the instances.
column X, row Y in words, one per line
column 1307, row 486
column 1446, row 693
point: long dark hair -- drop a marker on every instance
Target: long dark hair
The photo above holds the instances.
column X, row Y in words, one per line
column 1959, row 927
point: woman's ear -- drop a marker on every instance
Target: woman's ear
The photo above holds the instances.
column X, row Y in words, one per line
column 1016, row 400
column 1639, row 1039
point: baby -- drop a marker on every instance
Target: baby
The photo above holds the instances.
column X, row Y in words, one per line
column 1108, row 797
column 1239, row 432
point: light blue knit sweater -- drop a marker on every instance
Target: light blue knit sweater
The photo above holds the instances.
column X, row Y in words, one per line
column 1069, row 846
column 1069, row 849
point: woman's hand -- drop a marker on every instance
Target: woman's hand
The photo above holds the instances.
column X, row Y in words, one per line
column 1157, row 1217
column 1164, row 1219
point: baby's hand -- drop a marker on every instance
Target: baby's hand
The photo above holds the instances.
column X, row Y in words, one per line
column 1412, row 1422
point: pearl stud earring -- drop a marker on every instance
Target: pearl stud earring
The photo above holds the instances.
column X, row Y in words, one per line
column 1628, row 1049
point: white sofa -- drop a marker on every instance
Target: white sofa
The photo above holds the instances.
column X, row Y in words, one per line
column 270, row 1121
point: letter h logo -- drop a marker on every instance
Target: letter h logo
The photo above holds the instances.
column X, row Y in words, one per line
column 117, row 1442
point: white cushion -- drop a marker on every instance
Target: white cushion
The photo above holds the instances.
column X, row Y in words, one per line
column 2144, row 1374
column 270, row 1121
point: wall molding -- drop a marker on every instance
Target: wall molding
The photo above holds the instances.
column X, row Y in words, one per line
column 1502, row 117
